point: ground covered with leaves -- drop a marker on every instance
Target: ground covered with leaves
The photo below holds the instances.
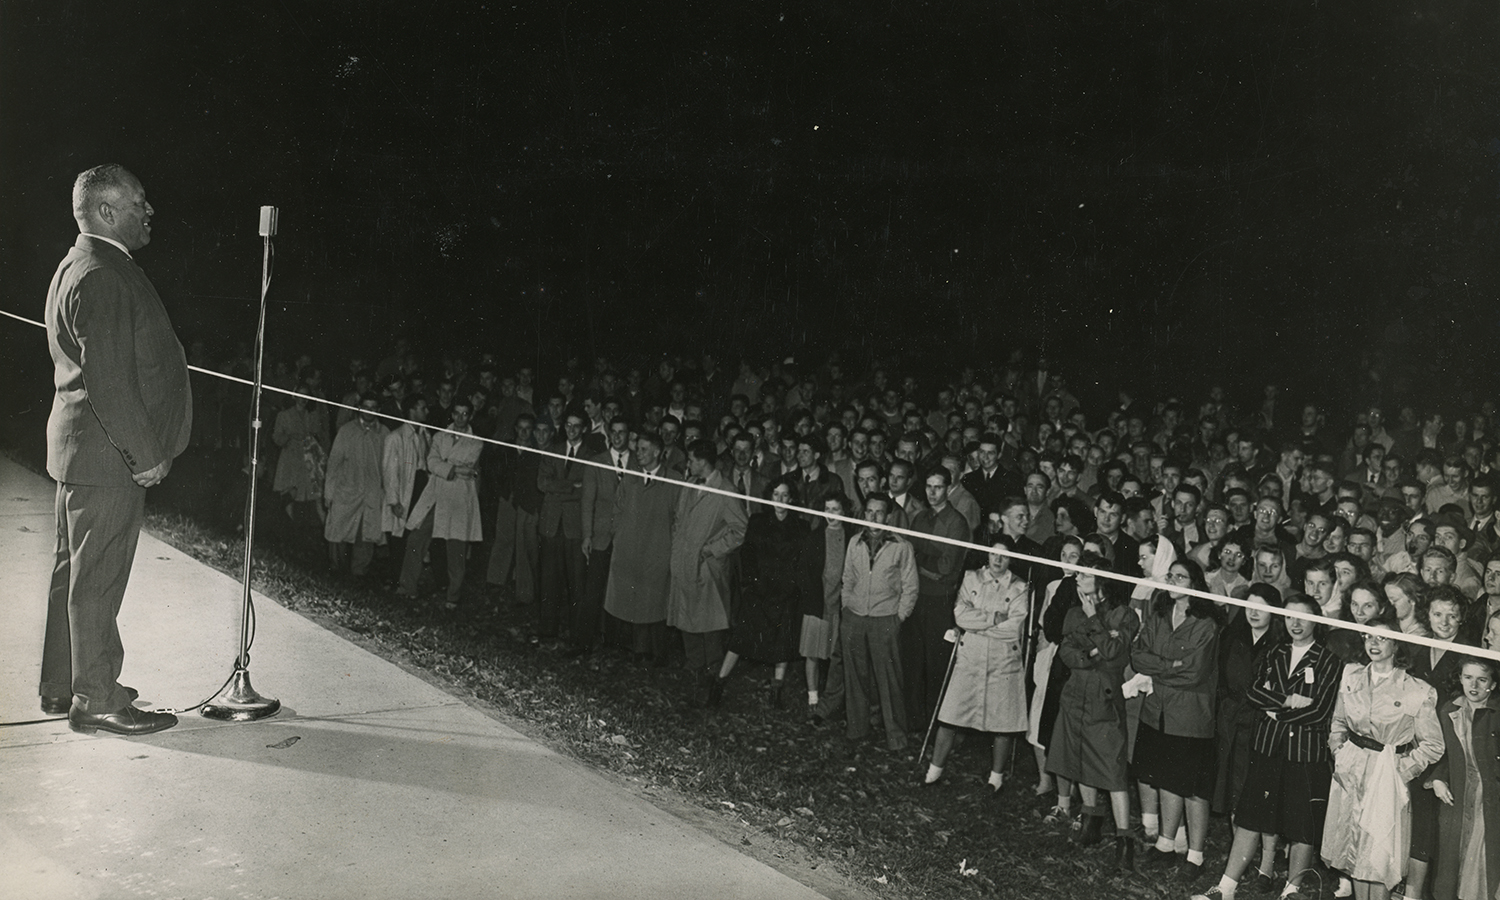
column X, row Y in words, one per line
column 804, row 798
column 849, row 818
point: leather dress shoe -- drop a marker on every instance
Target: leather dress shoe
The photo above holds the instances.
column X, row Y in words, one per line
column 59, row 706
column 128, row 721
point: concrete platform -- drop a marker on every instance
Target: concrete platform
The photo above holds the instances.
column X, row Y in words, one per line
column 370, row 783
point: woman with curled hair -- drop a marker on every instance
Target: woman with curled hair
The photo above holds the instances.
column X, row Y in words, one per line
column 1408, row 595
column 1383, row 734
column 1285, row 790
column 1178, row 649
column 1226, row 566
column 1362, row 602
column 1347, row 569
column 1088, row 745
column 1467, row 782
column 1071, row 517
column 1438, row 667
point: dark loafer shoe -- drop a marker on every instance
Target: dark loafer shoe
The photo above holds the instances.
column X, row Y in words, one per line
column 127, row 721
column 59, row 706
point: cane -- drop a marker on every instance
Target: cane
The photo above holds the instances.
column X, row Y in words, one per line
column 953, row 636
column 1033, row 624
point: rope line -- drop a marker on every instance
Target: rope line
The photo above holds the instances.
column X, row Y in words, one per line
column 1421, row 640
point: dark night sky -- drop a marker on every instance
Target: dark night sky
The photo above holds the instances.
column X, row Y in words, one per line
column 1148, row 189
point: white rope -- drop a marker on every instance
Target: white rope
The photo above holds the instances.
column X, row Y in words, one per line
column 1422, row 640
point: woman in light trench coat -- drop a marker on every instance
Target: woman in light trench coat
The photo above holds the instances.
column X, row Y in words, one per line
column 987, row 690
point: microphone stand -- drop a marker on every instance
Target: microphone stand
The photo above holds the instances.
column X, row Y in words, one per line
column 237, row 701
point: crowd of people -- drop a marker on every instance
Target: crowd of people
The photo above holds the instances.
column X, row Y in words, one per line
column 1375, row 756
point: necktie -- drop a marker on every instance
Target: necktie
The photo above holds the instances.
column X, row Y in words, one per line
column 568, row 466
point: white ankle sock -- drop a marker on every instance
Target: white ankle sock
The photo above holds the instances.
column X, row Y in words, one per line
column 1227, row 886
column 1195, row 857
column 1164, row 844
column 1151, row 824
column 934, row 773
column 996, row 779
column 812, row 698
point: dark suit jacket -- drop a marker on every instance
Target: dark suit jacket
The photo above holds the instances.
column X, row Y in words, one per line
column 598, row 498
column 123, row 404
column 992, row 492
column 561, row 484
column 758, row 484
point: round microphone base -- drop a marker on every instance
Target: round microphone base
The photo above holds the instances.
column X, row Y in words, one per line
column 238, row 702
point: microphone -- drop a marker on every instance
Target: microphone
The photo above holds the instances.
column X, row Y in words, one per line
column 268, row 216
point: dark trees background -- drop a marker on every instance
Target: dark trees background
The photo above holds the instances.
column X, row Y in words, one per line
column 1152, row 191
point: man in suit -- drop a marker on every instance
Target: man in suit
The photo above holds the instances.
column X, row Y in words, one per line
column 597, row 508
column 990, row 484
column 1484, row 523
column 561, row 483
column 514, row 550
column 742, row 473
column 122, row 412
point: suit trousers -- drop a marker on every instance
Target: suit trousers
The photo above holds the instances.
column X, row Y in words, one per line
column 588, row 621
column 925, row 655
column 832, row 697
column 82, row 654
column 648, row 640
column 561, row 582
column 874, row 673
column 357, row 554
column 705, row 651
column 514, row 550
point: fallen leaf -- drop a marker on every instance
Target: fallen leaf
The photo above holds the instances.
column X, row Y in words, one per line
column 783, row 821
column 882, row 880
column 804, row 811
column 282, row 745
